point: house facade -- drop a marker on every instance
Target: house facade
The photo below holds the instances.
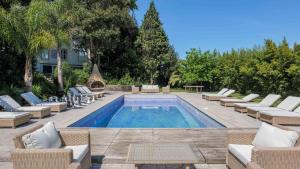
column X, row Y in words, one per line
column 47, row 59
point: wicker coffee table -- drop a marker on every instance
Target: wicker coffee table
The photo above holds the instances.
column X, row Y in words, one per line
column 161, row 154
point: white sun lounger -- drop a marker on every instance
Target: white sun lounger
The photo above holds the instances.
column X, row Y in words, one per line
column 222, row 91
column 219, row 97
column 230, row 102
column 83, row 92
column 33, row 100
column 289, row 104
column 269, row 100
column 9, row 104
column 98, row 94
column 13, row 119
column 281, row 117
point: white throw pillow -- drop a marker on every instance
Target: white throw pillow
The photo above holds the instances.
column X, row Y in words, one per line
column 52, row 134
column 45, row 137
column 36, row 140
column 270, row 136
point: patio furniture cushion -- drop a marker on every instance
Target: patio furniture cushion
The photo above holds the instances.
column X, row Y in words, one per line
column 12, row 115
column 250, row 97
column 8, row 103
column 290, row 103
column 270, row 136
column 242, row 152
column 32, row 108
column 45, row 137
column 270, row 99
column 282, row 113
column 228, row 93
column 222, row 91
column 51, row 104
column 79, row 152
column 31, row 98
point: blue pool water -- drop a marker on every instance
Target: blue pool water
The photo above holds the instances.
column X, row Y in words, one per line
column 148, row 111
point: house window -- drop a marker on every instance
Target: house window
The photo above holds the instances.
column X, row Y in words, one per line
column 47, row 69
column 45, row 55
column 64, row 54
column 53, row 54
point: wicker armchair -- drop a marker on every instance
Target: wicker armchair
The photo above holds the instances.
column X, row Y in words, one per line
column 135, row 89
column 166, row 89
column 263, row 158
column 51, row 158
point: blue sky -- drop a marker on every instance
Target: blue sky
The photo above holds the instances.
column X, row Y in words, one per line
column 225, row 24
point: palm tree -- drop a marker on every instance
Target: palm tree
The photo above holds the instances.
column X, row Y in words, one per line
column 25, row 28
column 60, row 20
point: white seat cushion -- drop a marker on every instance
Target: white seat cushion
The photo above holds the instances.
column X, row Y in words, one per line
column 12, row 115
column 263, row 108
column 32, row 108
column 45, row 137
column 249, row 104
column 51, row 104
column 282, row 113
column 79, row 152
column 270, row 136
column 233, row 100
column 242, row 152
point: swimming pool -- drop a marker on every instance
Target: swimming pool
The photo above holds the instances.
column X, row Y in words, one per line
column 148, row 111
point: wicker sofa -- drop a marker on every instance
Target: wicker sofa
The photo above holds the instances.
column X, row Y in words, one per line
column 150, row 89
column 59, row 158
column 262, row 158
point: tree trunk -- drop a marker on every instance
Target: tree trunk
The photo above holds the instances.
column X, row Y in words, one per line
column 59, row 71
column 28, row 74
column 151, row 78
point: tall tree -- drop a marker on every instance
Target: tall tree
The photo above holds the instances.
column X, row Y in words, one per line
column 60, row 19
column 25, row 29
column 154, row 46
column 106, row 30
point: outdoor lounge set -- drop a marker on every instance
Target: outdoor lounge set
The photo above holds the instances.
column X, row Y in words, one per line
column 16, row 115
column 270, row 147
column 149, row 89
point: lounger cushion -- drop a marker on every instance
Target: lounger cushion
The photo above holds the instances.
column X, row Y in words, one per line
column 233, row 100
column 250, row 97
column 270, row 136
column 249, row 105
column 79, row 152
column 281, row 113
column 242, row 152
column 264, row 108
column 32, row 108
column 12, row 115
column 45, row 137
column 290, row 103
column 51, row 104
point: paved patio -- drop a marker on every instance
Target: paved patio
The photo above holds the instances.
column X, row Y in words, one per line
column 110, row 146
